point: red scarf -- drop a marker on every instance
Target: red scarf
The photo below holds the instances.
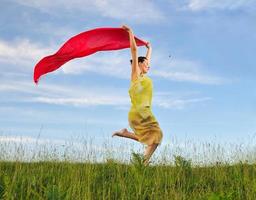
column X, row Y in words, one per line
column 84, row 44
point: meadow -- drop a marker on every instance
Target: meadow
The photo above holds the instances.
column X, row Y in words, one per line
column 47, row 175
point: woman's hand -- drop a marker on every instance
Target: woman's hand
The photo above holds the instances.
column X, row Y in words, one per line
column 127, row 28
column 148, row 45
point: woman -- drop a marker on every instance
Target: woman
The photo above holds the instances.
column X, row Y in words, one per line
column 141, row 119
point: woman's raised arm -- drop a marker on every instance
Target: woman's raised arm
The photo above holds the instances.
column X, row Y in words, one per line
column 149, row 51
column 134, row 52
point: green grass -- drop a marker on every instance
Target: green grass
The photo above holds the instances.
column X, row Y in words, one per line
column 115, row 180
column 73, row 171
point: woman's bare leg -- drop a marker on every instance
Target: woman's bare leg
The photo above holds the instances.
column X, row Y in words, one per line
column 149, row 152
column 125, row 133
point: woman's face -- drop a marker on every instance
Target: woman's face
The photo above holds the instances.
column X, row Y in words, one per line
column 144, row 66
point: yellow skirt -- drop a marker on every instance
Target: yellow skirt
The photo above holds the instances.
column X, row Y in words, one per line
column 145, row 126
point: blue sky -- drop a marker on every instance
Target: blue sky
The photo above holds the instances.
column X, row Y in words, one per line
column 203, row 69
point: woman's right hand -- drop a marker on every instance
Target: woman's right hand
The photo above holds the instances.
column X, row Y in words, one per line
column 127, row 28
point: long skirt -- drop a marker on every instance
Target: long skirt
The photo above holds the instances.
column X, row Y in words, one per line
column 145, row 126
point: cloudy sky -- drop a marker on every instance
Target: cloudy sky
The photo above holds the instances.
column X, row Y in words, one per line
column 203, row 68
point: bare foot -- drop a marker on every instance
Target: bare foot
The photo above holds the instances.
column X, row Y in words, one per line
column 120, row 133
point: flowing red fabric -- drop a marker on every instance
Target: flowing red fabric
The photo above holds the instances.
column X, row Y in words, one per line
column 84, row 44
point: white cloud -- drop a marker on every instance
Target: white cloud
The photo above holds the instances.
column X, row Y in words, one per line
column 135, row 11
column 21, row 49
column 178, row 103
column 29, row 140
column 28, row 87
column 187, row 76
column 63, row 94
column 21, row 53
column 89, row 96
column 178, row 100
column 84, row 101
column 121, row 102
column 180, row 69
column 24, row 54
column 197, row 5
column 61, row 33
column 26, row 140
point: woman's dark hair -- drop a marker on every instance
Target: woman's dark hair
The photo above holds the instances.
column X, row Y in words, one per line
column 140, row 59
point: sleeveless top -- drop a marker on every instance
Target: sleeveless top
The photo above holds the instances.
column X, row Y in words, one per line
column 141, row 92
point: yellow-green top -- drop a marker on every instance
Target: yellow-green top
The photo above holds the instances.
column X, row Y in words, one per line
column 141, row 91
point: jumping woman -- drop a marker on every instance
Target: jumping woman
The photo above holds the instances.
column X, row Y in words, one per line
column 141, row 119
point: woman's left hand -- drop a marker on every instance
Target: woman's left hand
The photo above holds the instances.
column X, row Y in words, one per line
column 148, row 45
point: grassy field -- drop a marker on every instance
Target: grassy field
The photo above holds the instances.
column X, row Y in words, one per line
column 48, row 169
column 114, row 180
